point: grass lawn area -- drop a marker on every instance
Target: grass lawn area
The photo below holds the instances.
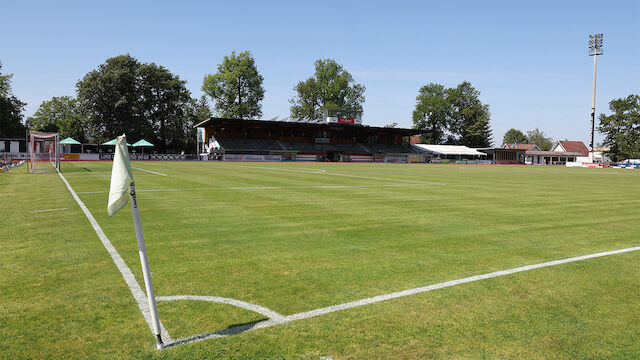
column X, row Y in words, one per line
column 293, row 237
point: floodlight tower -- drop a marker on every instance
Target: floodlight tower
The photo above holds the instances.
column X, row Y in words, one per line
column 595, row 49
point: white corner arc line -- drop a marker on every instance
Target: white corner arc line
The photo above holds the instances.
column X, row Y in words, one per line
column 149, row 171
column 221, row 300
column 128, row 276
column 394, row 295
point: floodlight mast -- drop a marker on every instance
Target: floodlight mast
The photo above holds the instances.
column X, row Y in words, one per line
column 595, row 49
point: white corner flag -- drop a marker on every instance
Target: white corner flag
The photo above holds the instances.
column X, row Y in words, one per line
column 122, row 189
column 121, row 177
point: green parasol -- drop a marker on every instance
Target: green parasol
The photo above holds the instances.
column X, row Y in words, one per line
column 69, row 141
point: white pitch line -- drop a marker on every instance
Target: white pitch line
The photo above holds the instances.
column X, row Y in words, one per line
column 149, row 171
column 46, row 210
column 128, row 276
column 375, row 299
column 268, row 188
column 221, row 300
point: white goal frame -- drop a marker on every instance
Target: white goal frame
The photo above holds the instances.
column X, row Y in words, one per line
column 43, row 147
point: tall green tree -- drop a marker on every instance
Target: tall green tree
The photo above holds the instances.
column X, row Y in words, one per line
column 432, row 114
column 514, row 136
column 236, row 88
column 10, row 108
column 469, row 116
column 330, row 87
column 622, row 128
column 538, row 137
column 111, row 98
column 145, row 101
column 453, row 116
column 164, row 99
column 60, row 114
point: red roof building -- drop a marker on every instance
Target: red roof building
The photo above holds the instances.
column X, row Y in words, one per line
column 572, row 146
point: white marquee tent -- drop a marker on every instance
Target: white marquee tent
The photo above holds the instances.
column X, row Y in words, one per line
column 448, row 150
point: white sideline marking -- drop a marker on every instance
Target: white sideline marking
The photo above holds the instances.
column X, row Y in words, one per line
column 45, row 210
column 149, row 171
column 136, row 291
column 221, row 300
column 268, row 188
column 379, row 298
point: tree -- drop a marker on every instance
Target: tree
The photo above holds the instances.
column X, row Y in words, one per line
column 330, row 87
column 10, row 108
column 454, row 116
column 196, row 112
column 145, row 101
column 469, row 117
column 111, row 98
column 164, row 99
column 432, row 113
column 236, row 88
column 537, row 137
column 622, row 128
column 60, row 114
column 514, row 136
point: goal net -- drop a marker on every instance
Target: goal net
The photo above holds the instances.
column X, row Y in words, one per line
column 44, row 151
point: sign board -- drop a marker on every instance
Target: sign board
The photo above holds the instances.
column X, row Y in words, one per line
column 200, row 134
column 346, row 120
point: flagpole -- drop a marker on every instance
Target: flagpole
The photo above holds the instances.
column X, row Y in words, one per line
column 135, row 213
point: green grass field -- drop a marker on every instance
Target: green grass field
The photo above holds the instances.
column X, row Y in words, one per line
column 293, row 237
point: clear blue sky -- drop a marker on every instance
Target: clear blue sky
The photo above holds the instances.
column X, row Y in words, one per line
column 529, row 59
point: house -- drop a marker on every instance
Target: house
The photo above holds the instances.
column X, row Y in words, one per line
column 551, row 157
column 600, row 155
column 531, row 154
column 572, row 146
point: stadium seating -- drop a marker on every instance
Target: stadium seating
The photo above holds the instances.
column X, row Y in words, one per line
column 255, row 146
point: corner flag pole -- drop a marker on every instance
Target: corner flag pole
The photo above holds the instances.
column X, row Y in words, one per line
column 135, row 213
column 122, row 184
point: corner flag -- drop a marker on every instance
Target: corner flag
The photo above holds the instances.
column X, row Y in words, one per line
column 121, row 190
column 121, row 177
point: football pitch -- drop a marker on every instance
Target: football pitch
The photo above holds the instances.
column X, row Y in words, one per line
column 325, row 260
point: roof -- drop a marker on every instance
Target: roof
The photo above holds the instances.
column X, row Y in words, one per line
column 293, row 124
column 448, row 149
column 575, row 146
column 69, row 141
column 553, row 153
column 521, row 146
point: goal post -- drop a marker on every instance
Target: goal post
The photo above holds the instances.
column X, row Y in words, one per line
column 44, row 151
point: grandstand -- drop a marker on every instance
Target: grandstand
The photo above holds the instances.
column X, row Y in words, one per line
column 317, row 141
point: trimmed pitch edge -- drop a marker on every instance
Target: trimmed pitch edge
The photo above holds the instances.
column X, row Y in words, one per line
column 128, row 276
column 348, row 305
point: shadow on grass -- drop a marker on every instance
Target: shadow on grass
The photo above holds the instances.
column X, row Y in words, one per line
column 231, row 330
